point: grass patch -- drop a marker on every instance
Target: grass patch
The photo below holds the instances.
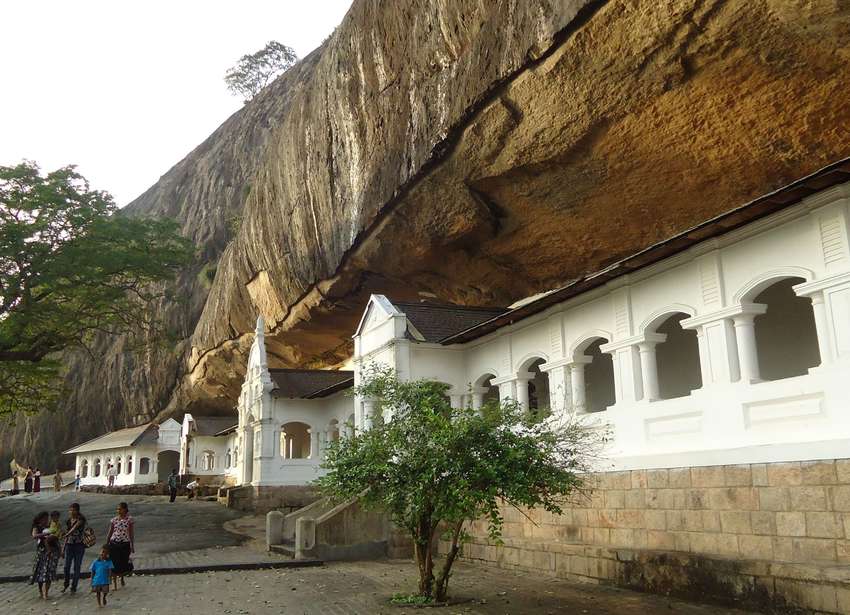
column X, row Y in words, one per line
column 411, row 600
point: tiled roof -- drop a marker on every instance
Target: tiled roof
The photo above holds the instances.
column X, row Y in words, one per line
column 309, row 383
column 116, row 439
column 212, row 425
column 436, row 321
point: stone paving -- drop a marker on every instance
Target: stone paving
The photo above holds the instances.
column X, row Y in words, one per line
column 183, row 534
column 350, row 589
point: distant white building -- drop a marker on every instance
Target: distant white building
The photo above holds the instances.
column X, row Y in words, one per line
column 208, row 449
column 141, row 455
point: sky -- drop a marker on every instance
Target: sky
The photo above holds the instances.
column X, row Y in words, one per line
column 124, row 89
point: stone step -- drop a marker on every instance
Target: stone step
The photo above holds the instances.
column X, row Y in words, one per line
column 284, row 549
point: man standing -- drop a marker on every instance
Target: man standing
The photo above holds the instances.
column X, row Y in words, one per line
column 110, row 474
column 57, row 481
column 172, row 484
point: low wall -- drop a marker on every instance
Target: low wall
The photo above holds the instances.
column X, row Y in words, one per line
column 765, row 536
column 260, row 500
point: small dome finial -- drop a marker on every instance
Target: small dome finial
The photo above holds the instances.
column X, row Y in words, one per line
column 261, row 326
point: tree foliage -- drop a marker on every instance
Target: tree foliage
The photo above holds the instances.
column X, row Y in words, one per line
column 72, row 266
column 435, row 468
column 255, row 71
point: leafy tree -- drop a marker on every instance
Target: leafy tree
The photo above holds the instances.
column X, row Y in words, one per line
column 435, row 468
column 254, row 71
column 72, row 266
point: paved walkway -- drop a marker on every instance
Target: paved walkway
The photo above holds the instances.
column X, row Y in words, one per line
column 350, row 589
column 180, row 535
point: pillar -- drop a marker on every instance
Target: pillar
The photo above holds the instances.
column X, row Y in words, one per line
column 559, row 392
column 314, row 443
column 368, row 413
column 649, row 370
column 456, row 401
column 477, row 394
column 822, row 328
column 577, row 387
column 745, row 336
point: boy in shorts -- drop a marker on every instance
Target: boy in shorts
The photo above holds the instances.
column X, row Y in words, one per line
column 100, row 572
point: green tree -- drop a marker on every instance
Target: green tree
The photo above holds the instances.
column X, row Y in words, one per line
column 72, row 266
column 434, row 468
column 254, row 71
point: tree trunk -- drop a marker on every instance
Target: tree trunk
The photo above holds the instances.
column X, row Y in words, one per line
column 422, row 541
column 445, row 573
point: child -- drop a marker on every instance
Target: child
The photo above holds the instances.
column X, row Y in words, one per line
column 77, row 483
column 100, row 569
column 52, row 533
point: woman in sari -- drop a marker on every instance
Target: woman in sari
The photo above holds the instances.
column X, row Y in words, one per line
column 46, row 554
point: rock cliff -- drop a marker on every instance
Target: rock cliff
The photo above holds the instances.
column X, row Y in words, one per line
column 472, row 151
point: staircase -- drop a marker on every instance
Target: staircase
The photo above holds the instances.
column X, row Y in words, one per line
column 322, row 531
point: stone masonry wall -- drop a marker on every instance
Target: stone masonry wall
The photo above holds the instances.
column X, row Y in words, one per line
column 768, row 536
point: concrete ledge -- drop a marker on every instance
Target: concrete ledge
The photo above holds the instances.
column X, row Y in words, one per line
column 302, row 563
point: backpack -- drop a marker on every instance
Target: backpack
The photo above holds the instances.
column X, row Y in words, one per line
column 88, row 537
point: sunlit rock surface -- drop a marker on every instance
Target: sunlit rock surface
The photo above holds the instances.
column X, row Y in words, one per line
column 475, row 152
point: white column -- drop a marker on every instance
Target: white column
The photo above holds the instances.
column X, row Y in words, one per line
column 478, row 397
column 577, row 386
column 559, row 391
column 507, row 389
column 314, row 443
column 745, row 337
column 822, row 328
column 649, row 370
column 368, row 413
column 456, row 401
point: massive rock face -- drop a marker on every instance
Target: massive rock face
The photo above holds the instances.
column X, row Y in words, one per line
column 473, row 151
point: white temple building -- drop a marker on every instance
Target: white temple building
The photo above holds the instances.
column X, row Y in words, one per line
column 141, row 455
column 726, row 344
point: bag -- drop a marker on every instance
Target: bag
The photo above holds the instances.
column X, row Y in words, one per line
column 88, row 537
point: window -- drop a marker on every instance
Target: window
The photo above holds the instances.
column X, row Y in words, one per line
column 677, row 359
column 538, row 390
column 208, row 461
column 235, row 456
column 84, row 468
column 786, row 338
column 144, row 465
column 295, row 441
column 118, row 465
column 599, row 378
column 97, row 467
column 129, row 465
column 333, row 431
column 228, row 459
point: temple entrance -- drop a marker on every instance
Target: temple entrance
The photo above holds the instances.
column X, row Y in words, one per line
column 165, row 462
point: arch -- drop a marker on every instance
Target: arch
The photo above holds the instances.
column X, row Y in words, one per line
column 235, row 456
column 539, row 401
column 659, row 317
column 677, row 357
column 600, row 391
column 587, row 339
column 485, row 377
column 165, row 462
column 208, row 461
column 84, row 468
column 144, row 465
column 97, row 467
column 295, row 440
column 785, row 335
column 761, row 282
column 349, row 425
column 118, row 465
column 228, row 459
column 129, row 464
column 484, row 390
column 528, row 360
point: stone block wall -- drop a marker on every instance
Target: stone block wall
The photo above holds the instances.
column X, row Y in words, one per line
column 763, row 535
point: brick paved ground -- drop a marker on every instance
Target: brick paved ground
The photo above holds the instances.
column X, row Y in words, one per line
column 350, row 589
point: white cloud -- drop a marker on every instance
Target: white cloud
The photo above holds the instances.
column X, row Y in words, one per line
column 126, row 89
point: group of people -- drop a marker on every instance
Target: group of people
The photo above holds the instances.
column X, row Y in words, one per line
column 32, row 482
column 54, row 542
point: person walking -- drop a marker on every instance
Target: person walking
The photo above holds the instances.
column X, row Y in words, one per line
column 100, row 573
column 57, row 482
column 46, row 554
column 28, row 481
column 172, row 484
column 110, row 474
column 15, row 485
column 74, row 548
column 77, row 482
column 120, row 541
column 36, row 486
